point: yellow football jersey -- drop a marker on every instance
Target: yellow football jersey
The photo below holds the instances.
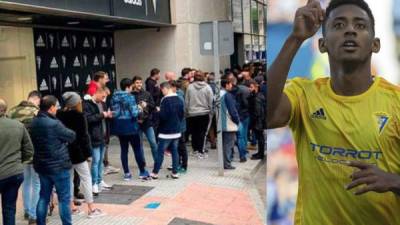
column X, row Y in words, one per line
column 329, row 130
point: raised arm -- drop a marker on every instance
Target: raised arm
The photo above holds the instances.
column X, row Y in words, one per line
column 307, row 21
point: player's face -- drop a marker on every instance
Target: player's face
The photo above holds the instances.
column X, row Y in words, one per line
column 349, row 35
column 138, row 84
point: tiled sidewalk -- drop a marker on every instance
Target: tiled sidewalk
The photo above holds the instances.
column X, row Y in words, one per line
column 199, row 195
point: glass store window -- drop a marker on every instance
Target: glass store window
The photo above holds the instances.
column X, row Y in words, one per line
column 256, row 48
column 261, row 20
column 248, row 48
column 254, row 18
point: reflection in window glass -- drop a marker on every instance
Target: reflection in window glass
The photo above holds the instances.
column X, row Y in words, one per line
column 256, row 48
column 254, row 17
column 246, row 16
column 261, row 19
column 248, row 48
column 262, row 48
column 237, row 16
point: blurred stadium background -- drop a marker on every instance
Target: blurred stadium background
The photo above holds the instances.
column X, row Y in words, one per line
column 282, row 179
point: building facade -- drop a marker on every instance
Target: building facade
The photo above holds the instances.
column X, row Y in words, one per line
column 55, row 45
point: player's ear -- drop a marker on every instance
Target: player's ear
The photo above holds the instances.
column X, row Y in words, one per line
column 322, row 45
column 376, row 45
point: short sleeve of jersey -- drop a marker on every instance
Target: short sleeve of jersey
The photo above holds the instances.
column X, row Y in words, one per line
column 294, row 91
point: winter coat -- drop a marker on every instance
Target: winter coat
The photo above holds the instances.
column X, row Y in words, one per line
column 80, row 149
column 50, row 139
column 154, row 90
column 171, row 114
column 125, row 114
column 145, row 118
column 24, row 113
column 229, row 115
column 15, row 148
column 257, row 111
column 242, row 94
column 94, row 119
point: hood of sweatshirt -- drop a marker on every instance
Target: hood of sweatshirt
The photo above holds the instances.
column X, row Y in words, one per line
column 198, row 85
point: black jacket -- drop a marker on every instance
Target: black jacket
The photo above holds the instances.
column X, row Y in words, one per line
column 145, row 118
column 50, row 139
column 155, row 92
column 80, row 149
column 241, row 94
column 257, row 111
column 95, row 126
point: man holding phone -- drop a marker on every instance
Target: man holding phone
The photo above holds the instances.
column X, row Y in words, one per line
column 346, row 127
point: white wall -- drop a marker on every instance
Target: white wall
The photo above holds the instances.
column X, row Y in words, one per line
column 171, row 49
column 139, row 51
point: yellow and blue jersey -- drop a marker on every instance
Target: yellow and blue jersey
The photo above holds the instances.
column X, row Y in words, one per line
column 329, row 130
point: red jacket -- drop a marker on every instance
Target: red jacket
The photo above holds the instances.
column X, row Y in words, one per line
column 92, row 88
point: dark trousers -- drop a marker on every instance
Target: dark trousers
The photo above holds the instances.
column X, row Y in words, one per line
column 136, row 143
column 198, row 126
column 9, row 193
column 182, row 151
column 212, row 133
column 260, row 141
column 172, row 145
column 77, row 183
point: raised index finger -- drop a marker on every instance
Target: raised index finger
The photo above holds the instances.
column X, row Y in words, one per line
column 358, row 164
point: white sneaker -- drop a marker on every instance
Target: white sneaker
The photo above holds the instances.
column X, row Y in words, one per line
column 104, row 186
column 95, row 189
column 95, row 213
column 110, row 170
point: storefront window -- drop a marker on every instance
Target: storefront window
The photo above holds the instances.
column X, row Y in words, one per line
column 248, row 48
column 254, row 17
column 261, row 20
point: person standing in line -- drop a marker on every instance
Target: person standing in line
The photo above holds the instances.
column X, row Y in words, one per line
column 182, row 150
column 24, row 113
column 108, row 168
column 257, row 117
column 230, row 121
column 73, row 118
column 125, row 125
column 95, row 116
column 151, row 86
column 171, row 116
column 145, row 118
column 199, row 106
column 51, row 159
column 15, row 150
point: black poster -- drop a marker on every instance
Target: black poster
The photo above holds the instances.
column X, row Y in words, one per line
column 67, row 60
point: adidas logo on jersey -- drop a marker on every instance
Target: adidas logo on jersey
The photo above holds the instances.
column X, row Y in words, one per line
column 319, row 114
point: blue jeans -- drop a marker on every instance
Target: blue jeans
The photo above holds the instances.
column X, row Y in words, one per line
column 134, row 140
column 151, row 138
column 30, row 190
column 172, row 145
column 97, row 164
column 9, row 193
column 242, row 136
column 61, row 180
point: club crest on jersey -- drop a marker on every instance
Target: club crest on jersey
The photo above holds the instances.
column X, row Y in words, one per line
column 382, row 120
column 319, row 114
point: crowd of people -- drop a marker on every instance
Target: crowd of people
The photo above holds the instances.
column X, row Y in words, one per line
column 48, row 143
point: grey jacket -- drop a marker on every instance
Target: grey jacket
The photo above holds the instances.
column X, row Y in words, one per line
column 199, row 99
column 15, row 148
